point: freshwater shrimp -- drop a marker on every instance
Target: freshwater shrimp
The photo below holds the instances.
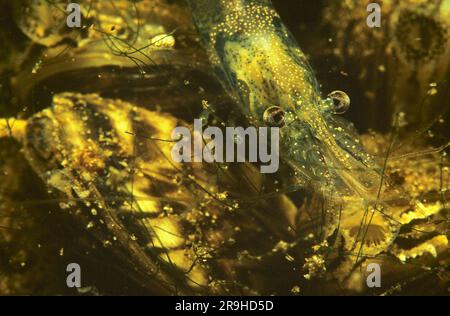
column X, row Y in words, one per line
column 261, row 66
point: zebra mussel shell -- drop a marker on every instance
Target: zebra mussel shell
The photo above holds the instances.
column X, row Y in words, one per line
column 88, row 149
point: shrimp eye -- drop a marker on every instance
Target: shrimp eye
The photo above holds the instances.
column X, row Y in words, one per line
column 274, row 116
column 341, row 101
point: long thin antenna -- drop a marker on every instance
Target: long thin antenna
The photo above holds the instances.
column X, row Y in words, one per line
column 12, row 128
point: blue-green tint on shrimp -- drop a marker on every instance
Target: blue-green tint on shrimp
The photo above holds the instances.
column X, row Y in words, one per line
column 261, row 66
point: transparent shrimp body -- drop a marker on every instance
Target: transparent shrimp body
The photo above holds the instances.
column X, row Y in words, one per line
column 261, row 66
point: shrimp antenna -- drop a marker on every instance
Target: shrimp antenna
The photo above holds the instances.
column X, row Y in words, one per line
column 12, row 128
